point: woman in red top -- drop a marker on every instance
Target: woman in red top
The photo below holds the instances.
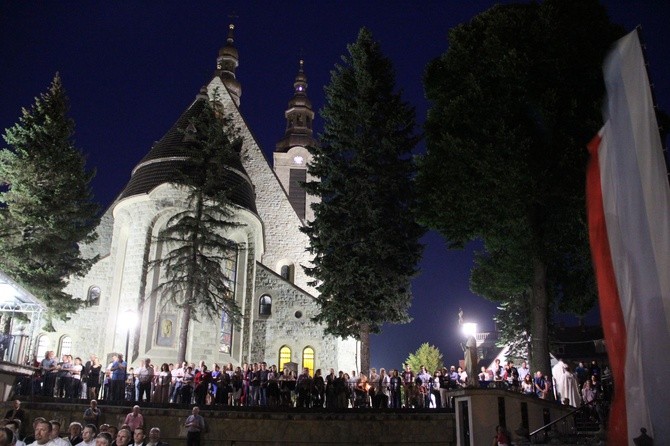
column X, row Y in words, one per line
column 501, row 438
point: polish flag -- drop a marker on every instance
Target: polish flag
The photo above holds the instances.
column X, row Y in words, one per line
column 628, row 202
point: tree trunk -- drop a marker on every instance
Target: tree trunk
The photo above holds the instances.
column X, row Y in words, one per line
column 183, row 333
column 365, row 349
column 539, row 352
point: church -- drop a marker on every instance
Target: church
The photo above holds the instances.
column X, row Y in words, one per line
column 122, row 311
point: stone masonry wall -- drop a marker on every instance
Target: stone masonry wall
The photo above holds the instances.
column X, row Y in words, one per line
column 281, row 225
column 283, row 327
column 279, row 428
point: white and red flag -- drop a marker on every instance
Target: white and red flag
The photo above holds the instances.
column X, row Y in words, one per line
column 628, row 201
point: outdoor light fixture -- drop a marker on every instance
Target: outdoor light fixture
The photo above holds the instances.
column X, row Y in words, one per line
column 469, row 329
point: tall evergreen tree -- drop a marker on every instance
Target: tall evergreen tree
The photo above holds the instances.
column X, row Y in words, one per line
column 364, row 236
column 46, row 204
column 428, row 356
column 195, row 248
column 515, row 100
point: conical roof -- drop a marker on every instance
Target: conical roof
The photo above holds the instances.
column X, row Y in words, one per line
column 299, row 116
column 165, row 159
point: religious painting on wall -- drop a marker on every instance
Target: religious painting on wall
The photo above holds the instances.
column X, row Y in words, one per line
column 226, row 333
column 167, row 324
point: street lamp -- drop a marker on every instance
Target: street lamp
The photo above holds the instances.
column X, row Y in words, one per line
column 127, row 321
column 469, row 329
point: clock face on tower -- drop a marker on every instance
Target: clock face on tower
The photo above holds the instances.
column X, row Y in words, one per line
column 298, row 160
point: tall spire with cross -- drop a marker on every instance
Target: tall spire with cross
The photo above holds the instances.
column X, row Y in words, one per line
column 291, row 155
column 226, row 64
column 299, row 115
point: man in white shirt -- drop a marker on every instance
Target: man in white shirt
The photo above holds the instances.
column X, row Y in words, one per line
column 88, row 435
column 177, row 380
column 54, row 435
column 145, row 375
column 42, row 434
column 523, row 371
column 194, row 424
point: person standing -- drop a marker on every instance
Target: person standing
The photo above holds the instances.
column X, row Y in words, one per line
column 16, row 413
column 145, row 375
column 118, row 378
column 92, row 413
column 195, row 424
column 49, row 368
column 93, row 377
column 134, row 419
column 408, row 383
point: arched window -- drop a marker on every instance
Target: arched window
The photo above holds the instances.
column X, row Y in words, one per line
column 43, row 343
column 284, row 357
column 285, row 272
column 308, row 359
column 65, row 347
column 93, row 297
column 265, row 305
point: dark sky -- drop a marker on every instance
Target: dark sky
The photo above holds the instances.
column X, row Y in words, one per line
column 131, row 68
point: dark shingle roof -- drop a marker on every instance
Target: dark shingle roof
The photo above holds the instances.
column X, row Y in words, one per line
column 162, row 163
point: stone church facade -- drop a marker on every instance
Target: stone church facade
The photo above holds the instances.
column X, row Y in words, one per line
column 269, row 283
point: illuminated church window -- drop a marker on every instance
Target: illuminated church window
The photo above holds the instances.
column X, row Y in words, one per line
column 308, row 359
column 284, row 357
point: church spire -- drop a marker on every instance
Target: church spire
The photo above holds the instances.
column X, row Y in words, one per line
column 226, row 63
column 299, row 116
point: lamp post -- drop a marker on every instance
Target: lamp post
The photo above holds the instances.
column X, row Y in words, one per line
column 128, row 321
column 469, row 329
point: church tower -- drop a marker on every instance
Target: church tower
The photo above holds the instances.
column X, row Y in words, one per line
column 291, row 155
column 226, row 64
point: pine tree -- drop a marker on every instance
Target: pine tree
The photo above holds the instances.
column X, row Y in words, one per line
column 364, row 236
column 196, row 249
column 46, row 204
column 428, row 356
column 515, row 100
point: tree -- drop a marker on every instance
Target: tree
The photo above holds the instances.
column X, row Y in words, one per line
column 46, row 204
column 364, row 235
column 515, row 99
column 196, row 249
column 426, row 355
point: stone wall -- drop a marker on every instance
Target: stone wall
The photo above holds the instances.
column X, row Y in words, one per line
column 278, row 428
column 281, row 225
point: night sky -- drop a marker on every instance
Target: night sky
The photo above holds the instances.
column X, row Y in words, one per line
column 131, row 68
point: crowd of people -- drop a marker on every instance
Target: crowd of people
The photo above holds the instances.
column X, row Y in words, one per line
column 585, row 385
column 89, row 432
column 258, row 384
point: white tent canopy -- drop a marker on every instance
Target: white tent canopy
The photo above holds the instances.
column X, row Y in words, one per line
column 14, row 299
